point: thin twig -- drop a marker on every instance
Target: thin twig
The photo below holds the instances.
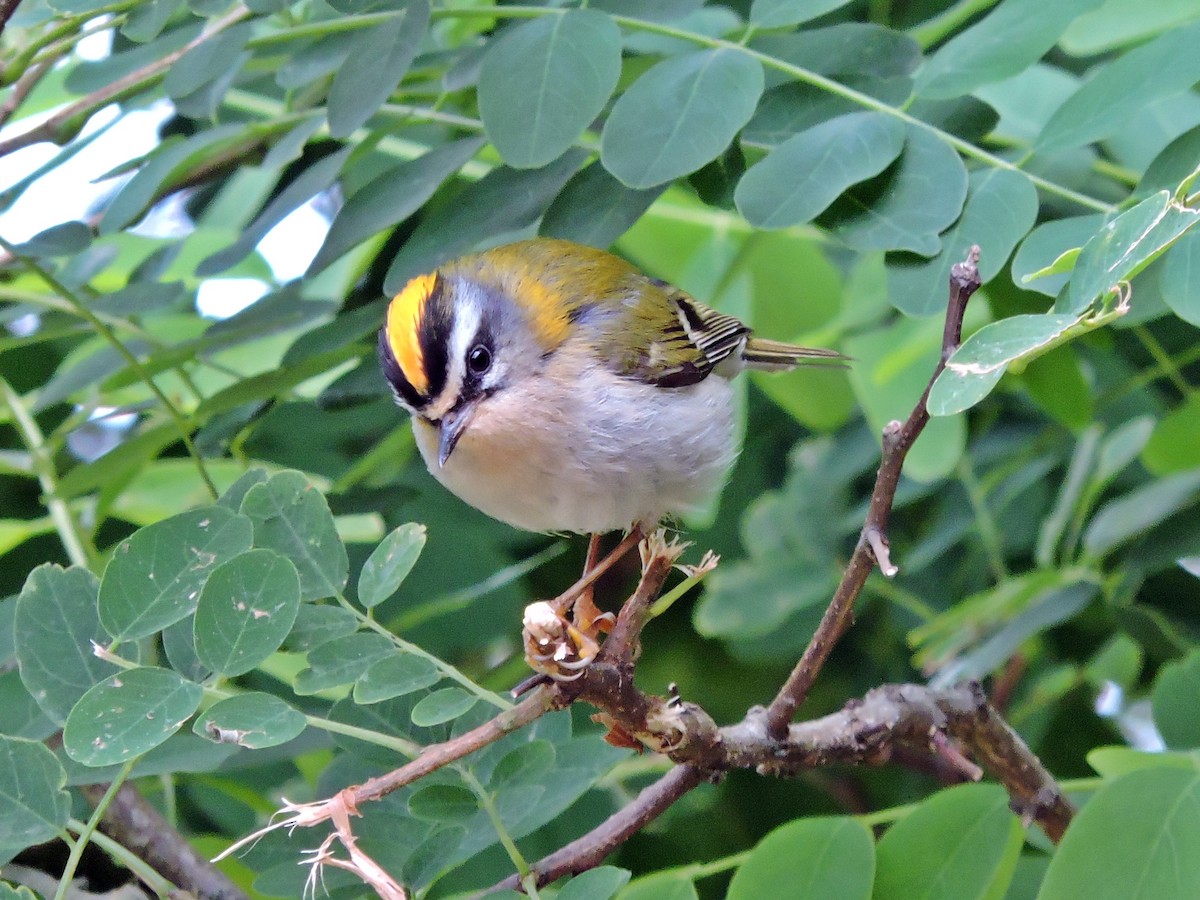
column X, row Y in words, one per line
column 25, row 84
column 65, row 124
column 7, row 8
column 590, row 850
column 436, row 756
column 872, row 546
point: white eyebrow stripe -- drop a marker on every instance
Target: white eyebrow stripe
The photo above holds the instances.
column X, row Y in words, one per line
column 468, row 311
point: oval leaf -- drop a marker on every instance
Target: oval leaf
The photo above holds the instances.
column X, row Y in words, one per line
column 977, row 365
column 254, row 720
column 1180, row 278
column 442, row 706
column 908, row 206
column 818, row 859
column 443, row 803
column 128, row 714
column 777, row 13
column 1136, row 839
column 291, row 517
column 247, row 607
column 1001, row 207
column 803, row 175
column 543, row 82
column 154, row 578
column 680, row 115
column 36, row 807
column 960, row 844
column 54, row 626
column 395, row 676
column 389, row 564
column 1123, row 247
column 1005, row 42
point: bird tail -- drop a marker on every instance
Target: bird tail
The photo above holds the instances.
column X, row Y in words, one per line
column 777, row 356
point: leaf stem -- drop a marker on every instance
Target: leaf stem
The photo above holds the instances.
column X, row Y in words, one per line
column 447, row 670
column 68, row 874
column 488, row 802
column 69, row 532
column 131, row 861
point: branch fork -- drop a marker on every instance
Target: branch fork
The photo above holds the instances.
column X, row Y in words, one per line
column 952, row 731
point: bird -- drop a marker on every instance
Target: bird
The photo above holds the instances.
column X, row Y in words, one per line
column 556, row 387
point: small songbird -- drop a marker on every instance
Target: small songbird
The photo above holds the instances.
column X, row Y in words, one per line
column 557, row 388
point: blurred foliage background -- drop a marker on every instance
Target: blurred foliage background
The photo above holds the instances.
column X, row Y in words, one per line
column 813, row 167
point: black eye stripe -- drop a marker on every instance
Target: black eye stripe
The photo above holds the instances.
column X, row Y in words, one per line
column 395, row 376
column 437, row 326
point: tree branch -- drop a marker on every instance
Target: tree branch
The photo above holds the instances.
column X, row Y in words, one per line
column 872, row 546
column 590, row 850
column 138, row 826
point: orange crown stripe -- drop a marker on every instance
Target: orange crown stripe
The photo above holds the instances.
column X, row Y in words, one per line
column 403, row 321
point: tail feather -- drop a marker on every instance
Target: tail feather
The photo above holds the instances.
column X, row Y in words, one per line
column 779, row 356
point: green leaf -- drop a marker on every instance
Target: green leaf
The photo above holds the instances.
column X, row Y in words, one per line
column 1005, row 42
column 1123, row 247
column 36, row 807
column 1124, row 23
column 803, row 175
column 1176, row 712
column 391, row 197
column 291, row 517
column 521, row 764
column 977, row 365
column 317, row 624
column 1180, row 278
column 246, row 609
column 1057, row 383
column 442, row 706
column 845, row 49
column 1173, row 165
column 1114, row 762
column 389, row 564
column 172, row 157
column 1001, row 207
column 312, row 181
column 1140, row 510
column 544, row 81
column 502, row 201
column 443, row 803
column 1175, row 443
column 394, row 676
column 128, row 714
column 1124, row 87
column 660, row 886
column 55, row 626
column 594, row 208
column 679, row 115
column 777, row 13
column 600, row 883
column 960, row 844
column 907, row 206
column 1045, row 246
column 378, row 60
column 207, row 62
column 1134, row 840
column 254, row 720
column 155, row 576
column 818, row 859
column 341, row 661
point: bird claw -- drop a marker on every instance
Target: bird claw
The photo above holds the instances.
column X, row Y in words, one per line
column 554, row 646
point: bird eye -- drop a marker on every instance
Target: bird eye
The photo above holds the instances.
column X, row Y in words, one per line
column 479, row 360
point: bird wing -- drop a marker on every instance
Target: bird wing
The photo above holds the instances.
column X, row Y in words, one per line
column 666, row 338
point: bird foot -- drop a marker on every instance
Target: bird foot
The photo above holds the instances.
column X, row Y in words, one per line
column 554, row 646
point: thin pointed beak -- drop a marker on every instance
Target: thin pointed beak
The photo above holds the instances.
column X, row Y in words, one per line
column 451, row 428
